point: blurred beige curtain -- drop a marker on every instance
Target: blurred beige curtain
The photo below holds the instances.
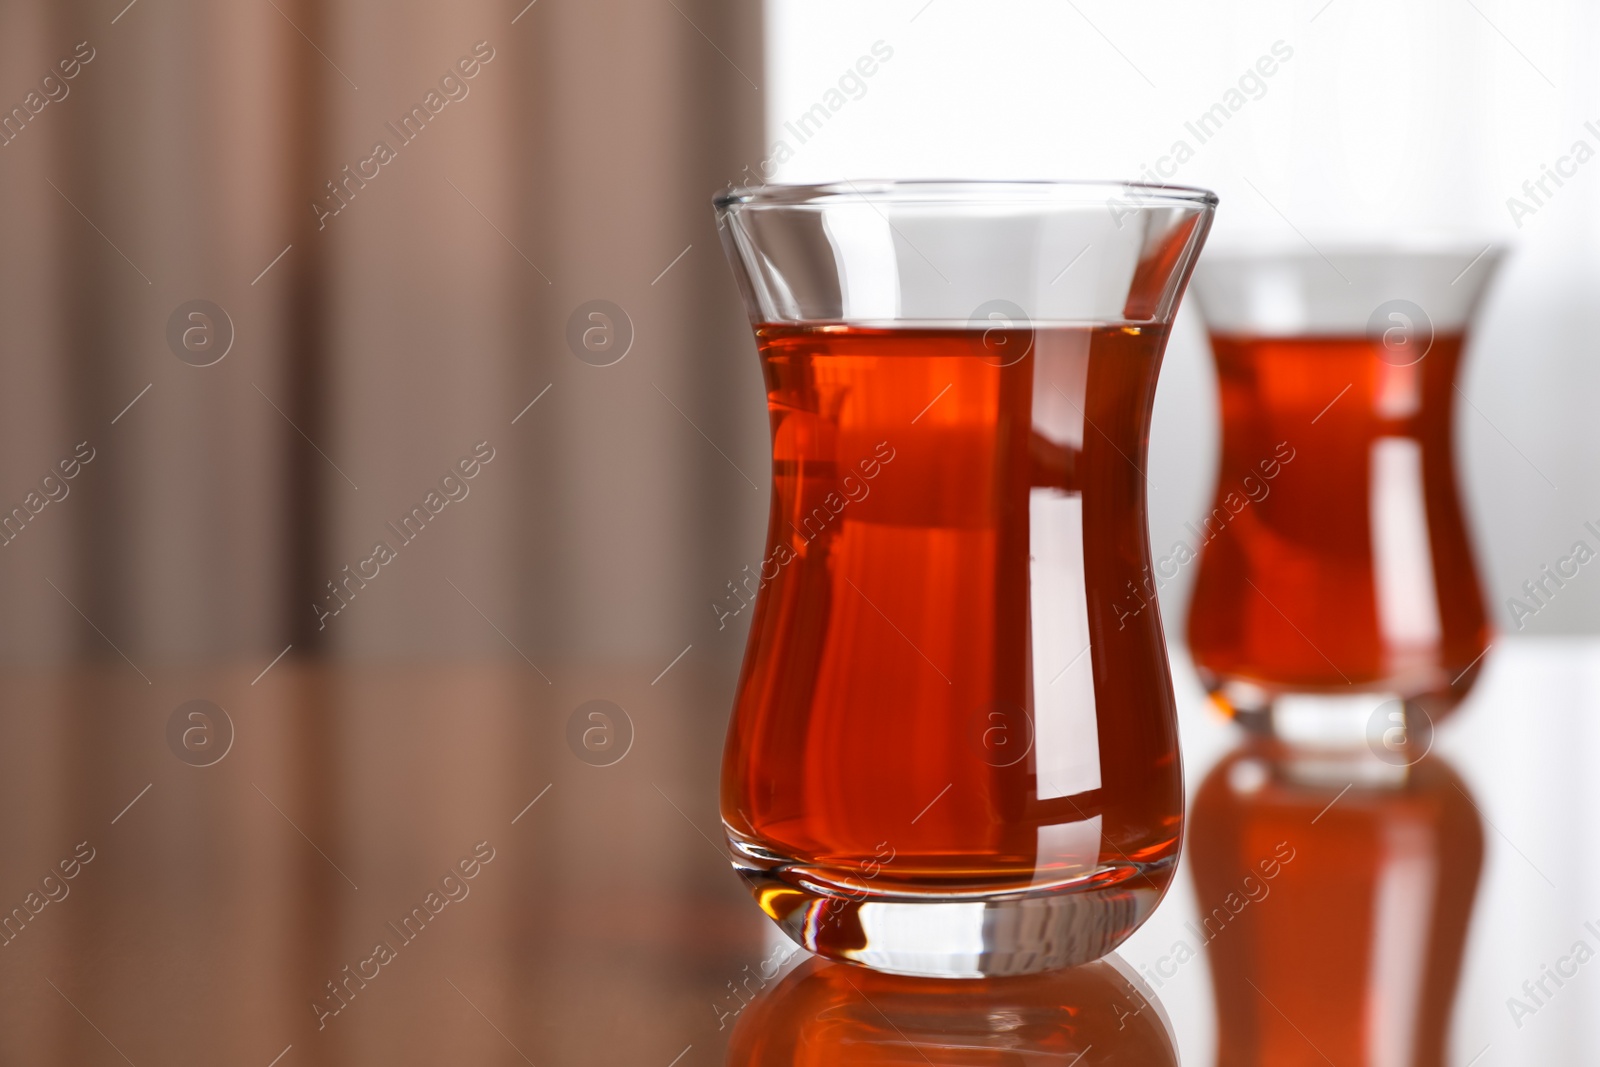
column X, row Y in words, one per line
column 533, row 159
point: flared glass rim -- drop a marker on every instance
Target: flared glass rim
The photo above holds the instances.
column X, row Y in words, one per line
column 962, row 192
column 1253, row 248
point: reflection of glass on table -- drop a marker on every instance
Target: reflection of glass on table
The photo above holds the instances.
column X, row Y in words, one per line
column 1334, row 894
column 827, row 1014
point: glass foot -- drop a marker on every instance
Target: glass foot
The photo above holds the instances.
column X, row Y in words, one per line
column 1397, row 729
column 966, row 935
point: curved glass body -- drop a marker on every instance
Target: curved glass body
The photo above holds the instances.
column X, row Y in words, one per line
column 1335, row 565
column 949, row 754
column 824, row 1015
column 1341, row 887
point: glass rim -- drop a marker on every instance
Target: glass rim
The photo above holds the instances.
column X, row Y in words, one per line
column 1255, row 249
column 972, row 192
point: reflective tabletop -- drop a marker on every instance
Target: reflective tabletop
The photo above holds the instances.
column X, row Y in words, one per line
column 427, row 864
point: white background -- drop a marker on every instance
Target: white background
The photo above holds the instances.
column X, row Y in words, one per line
column 1388, row 117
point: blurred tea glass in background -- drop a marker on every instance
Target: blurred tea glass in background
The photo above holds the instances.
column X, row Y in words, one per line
column 1335, row 568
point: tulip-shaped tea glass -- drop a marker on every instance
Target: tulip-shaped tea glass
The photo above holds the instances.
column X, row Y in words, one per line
column 948, row 756
column 1336, row 578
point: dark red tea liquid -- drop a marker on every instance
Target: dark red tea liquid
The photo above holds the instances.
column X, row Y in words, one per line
column 921, row 708
column 1350, row 568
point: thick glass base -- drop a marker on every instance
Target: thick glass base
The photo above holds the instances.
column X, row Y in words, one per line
column 966, row 934
column 1397, row 727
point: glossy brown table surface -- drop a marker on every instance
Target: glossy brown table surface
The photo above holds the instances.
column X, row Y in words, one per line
column 217, row 889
